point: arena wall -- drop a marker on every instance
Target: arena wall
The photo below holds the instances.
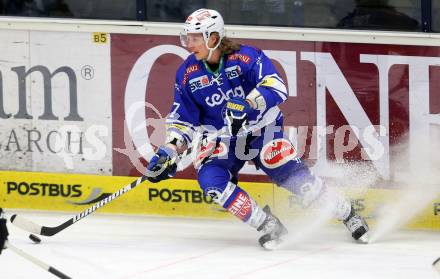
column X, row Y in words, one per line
column 82, row 105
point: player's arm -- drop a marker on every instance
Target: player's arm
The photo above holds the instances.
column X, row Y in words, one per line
column 183, row 119
column 181, row 124
column 270, row 89
column 3, row 231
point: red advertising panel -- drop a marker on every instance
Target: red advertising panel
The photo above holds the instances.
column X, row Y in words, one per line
column 347, row 101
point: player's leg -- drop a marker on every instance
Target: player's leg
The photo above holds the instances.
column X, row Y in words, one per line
column 278, row 159
column 217, row 180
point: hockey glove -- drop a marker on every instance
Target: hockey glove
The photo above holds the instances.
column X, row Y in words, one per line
column 162, row 163
column 237, row 110
column 3, row 231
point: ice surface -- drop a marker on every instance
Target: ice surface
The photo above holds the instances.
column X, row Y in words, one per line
column 122, row 247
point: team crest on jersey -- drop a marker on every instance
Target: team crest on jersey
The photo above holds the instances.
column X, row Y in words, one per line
column 199, row 83
column 233, row 72
column 217, row 80
column 276, row 153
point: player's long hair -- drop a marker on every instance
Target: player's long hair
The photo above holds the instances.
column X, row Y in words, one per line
column 227, row 45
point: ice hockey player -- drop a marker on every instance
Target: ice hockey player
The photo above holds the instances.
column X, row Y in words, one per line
column 225, row 84
column 3, row 231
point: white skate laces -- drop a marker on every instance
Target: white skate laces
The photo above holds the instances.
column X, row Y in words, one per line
column 273, row 231
column 357, row 226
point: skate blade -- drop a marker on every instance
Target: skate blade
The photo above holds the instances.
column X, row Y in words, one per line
column 364, row 239
column 271, row 245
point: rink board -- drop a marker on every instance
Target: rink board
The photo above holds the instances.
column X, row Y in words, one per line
column 66, row 192
column 184, row 198
column 55, row 109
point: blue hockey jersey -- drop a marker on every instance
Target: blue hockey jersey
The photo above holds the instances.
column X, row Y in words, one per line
column 200, row 94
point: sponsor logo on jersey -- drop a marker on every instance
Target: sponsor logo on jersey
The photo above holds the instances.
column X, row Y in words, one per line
column 233, row 72
column 277, row 153
column 211, row 149
column 233, row 106
column 238, row 56
column 203, row 81
column 190, row 69
column 220, row 97
column 241, row 206
column 199, row 83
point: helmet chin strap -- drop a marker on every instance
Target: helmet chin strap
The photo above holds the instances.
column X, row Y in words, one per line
column 211, row 50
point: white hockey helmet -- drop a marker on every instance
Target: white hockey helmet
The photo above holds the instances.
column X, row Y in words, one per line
column 204, row 21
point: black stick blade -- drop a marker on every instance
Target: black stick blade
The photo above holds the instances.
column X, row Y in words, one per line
column 436, row 264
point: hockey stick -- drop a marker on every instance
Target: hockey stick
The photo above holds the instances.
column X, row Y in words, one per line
column 436, row 264
column 32, row 227
column 36, row 261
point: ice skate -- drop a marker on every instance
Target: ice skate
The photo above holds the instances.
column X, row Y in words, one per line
column 273, row 231
column 357, row 226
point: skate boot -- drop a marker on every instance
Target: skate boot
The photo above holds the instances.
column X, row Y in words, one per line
column 273, row 230
column 357, row 226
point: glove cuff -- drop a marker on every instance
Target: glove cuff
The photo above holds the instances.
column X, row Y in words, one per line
column 168, row 151
column 257, row 100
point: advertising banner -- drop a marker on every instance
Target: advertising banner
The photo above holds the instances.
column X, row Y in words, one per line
column 75, row 193
column 55, row 102
column 82, row 113
column 181, row 197
column 348, row 102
